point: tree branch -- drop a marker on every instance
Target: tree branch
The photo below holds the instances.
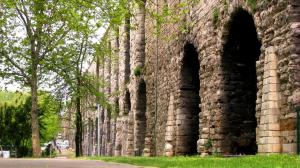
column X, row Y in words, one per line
column 15, row 74
column 22, row 71
column 50, row 47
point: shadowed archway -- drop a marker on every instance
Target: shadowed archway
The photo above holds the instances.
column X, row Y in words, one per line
column 240, row 52
column 187, row 118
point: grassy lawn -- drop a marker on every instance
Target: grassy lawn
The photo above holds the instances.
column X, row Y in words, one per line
column 259, row 161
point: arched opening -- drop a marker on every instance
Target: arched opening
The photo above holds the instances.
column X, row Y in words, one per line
column 116, row 108
column 90, row 136
column 187, row 117
column 140, row 119
column 127, row 106
column 96, row 135
column 240, row 52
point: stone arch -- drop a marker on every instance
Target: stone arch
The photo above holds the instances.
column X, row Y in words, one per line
column 187, row 114
column 127, row 105
column 90, row 136
column 140, row 118
column 116, row 106
column 241, row 50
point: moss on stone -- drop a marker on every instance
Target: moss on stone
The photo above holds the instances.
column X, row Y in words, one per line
column 216, row 15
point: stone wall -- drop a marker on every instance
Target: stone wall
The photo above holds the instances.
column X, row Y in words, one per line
column 215, row 76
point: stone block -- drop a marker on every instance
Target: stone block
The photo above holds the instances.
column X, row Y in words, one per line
column 288, row 124
column 168, row 147
column 169, row 154
column 205, row 130
column 262, row 140
column 273, row 140
column 270, row 88
column 289, row 148
column 273, row 118
column 274, row 127
column 274, row 133
column 169, row 138
column 271, row 96
column 262, row 120
column 262, row 148
column 269, row 105
column 270, row 53
column 271, row 75
column 270, row 80
column 296, row 98
column 274, row 148
column 273, row 111
column 169, row 129
column 178, row 122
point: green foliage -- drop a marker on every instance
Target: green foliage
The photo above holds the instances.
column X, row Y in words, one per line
column 15, row 126
column 49, row 117
column 252, row 4
column 261, row 161
column 15, row 121
column 12, row 98
column 172, row 15
column 216, row 15
column 115, row 109
column 138, row 71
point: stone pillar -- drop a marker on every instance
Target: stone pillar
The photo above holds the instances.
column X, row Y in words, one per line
column 102, row 135
column 170, row 129
column 124, row 63
column 113, row 136
column 124, row 135
column 90, row 137
column 101, row 109
column 114, row 101
column 269, row 126
column 124, row 73
column 118, row 142
column 137, row 82
column 130, row 135
column 289, row 131
column 107, row 114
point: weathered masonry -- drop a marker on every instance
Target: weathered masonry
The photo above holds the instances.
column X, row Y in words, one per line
column 224, row 77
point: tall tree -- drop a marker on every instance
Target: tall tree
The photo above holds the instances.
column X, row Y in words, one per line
column 32, row 33
column 72, row 77
column 71, row 64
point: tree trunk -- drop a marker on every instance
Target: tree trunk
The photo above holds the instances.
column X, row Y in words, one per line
column 78, row 135
column 36, row 149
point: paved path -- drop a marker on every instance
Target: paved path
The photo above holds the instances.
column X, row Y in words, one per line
column 58, row 163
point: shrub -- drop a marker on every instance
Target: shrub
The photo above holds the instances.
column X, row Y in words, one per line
column 138, row 71
column 252, row 4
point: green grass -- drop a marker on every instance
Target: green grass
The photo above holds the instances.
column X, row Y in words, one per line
column 258, row 161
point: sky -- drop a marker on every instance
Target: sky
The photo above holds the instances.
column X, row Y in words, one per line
column 10, row 87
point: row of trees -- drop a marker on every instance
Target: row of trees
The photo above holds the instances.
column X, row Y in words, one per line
column 47, row 43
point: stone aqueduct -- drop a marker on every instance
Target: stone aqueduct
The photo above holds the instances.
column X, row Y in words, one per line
column 228, row 82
